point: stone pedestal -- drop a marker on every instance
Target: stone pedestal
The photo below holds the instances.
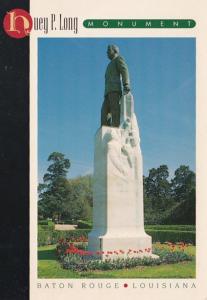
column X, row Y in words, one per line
column 118, row 218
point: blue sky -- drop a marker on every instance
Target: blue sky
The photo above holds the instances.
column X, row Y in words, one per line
column 70, row 94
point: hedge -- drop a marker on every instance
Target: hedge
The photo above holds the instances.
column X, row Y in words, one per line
column 69, row 222
column 87, row 225
column 43, row 222
column 171, row 236
column 49, row 226
column 84, row 224
column 48, row 237
column 171, row 227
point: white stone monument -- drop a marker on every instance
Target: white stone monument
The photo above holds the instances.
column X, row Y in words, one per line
column 118, row 214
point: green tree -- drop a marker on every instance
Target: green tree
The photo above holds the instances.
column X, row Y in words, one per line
column 53, row 192
column 169, row 202
column 183, row 183
column 79, row 199
column 157, row 188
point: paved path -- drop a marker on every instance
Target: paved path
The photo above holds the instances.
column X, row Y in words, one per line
column 65, row 227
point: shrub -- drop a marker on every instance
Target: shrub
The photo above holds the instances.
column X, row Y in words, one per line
column 43, row 227
column 171, row 227
column 43, row 222
column 49, row 237
column 172, row 236
column 84, row 225
column 51, row 225
column 44, row 237
column 70, row 222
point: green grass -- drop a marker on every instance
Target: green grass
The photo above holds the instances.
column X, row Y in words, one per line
column 49, row 267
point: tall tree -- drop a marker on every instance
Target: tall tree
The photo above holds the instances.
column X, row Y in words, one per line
column 183, row 183
column 54, row 191
column 79, row 200
column 157, row 187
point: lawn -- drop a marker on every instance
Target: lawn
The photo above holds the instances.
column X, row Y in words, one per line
column 49, row 267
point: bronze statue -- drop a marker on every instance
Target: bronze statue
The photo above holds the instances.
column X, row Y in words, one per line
column 116, row 83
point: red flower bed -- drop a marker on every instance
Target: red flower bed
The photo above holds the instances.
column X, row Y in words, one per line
column 66, row 247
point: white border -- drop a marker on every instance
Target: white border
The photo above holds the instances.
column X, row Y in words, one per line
column 148, row 9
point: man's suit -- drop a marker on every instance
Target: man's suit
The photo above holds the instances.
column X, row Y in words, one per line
column 116, row 71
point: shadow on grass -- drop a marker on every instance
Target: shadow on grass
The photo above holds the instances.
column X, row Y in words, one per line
column 47, row 255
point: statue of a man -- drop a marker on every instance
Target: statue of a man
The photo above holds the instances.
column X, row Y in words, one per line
column 116, row 83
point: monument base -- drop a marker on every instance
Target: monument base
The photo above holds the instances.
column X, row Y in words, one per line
column 114, row 245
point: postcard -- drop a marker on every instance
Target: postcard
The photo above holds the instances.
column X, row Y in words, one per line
column 117, row 148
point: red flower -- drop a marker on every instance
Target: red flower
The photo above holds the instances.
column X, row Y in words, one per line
column 68, row 251
column 71, row 245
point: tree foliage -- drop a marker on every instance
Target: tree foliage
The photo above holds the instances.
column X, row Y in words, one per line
column 63, row 199
column 53, row 192
column 157, row 187
column 78, row 204
column 169, row 201
column 183, row 183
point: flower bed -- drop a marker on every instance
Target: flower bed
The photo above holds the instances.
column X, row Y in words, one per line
column 76, row 257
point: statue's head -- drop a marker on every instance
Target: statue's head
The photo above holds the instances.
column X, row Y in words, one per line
column 112, row 51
